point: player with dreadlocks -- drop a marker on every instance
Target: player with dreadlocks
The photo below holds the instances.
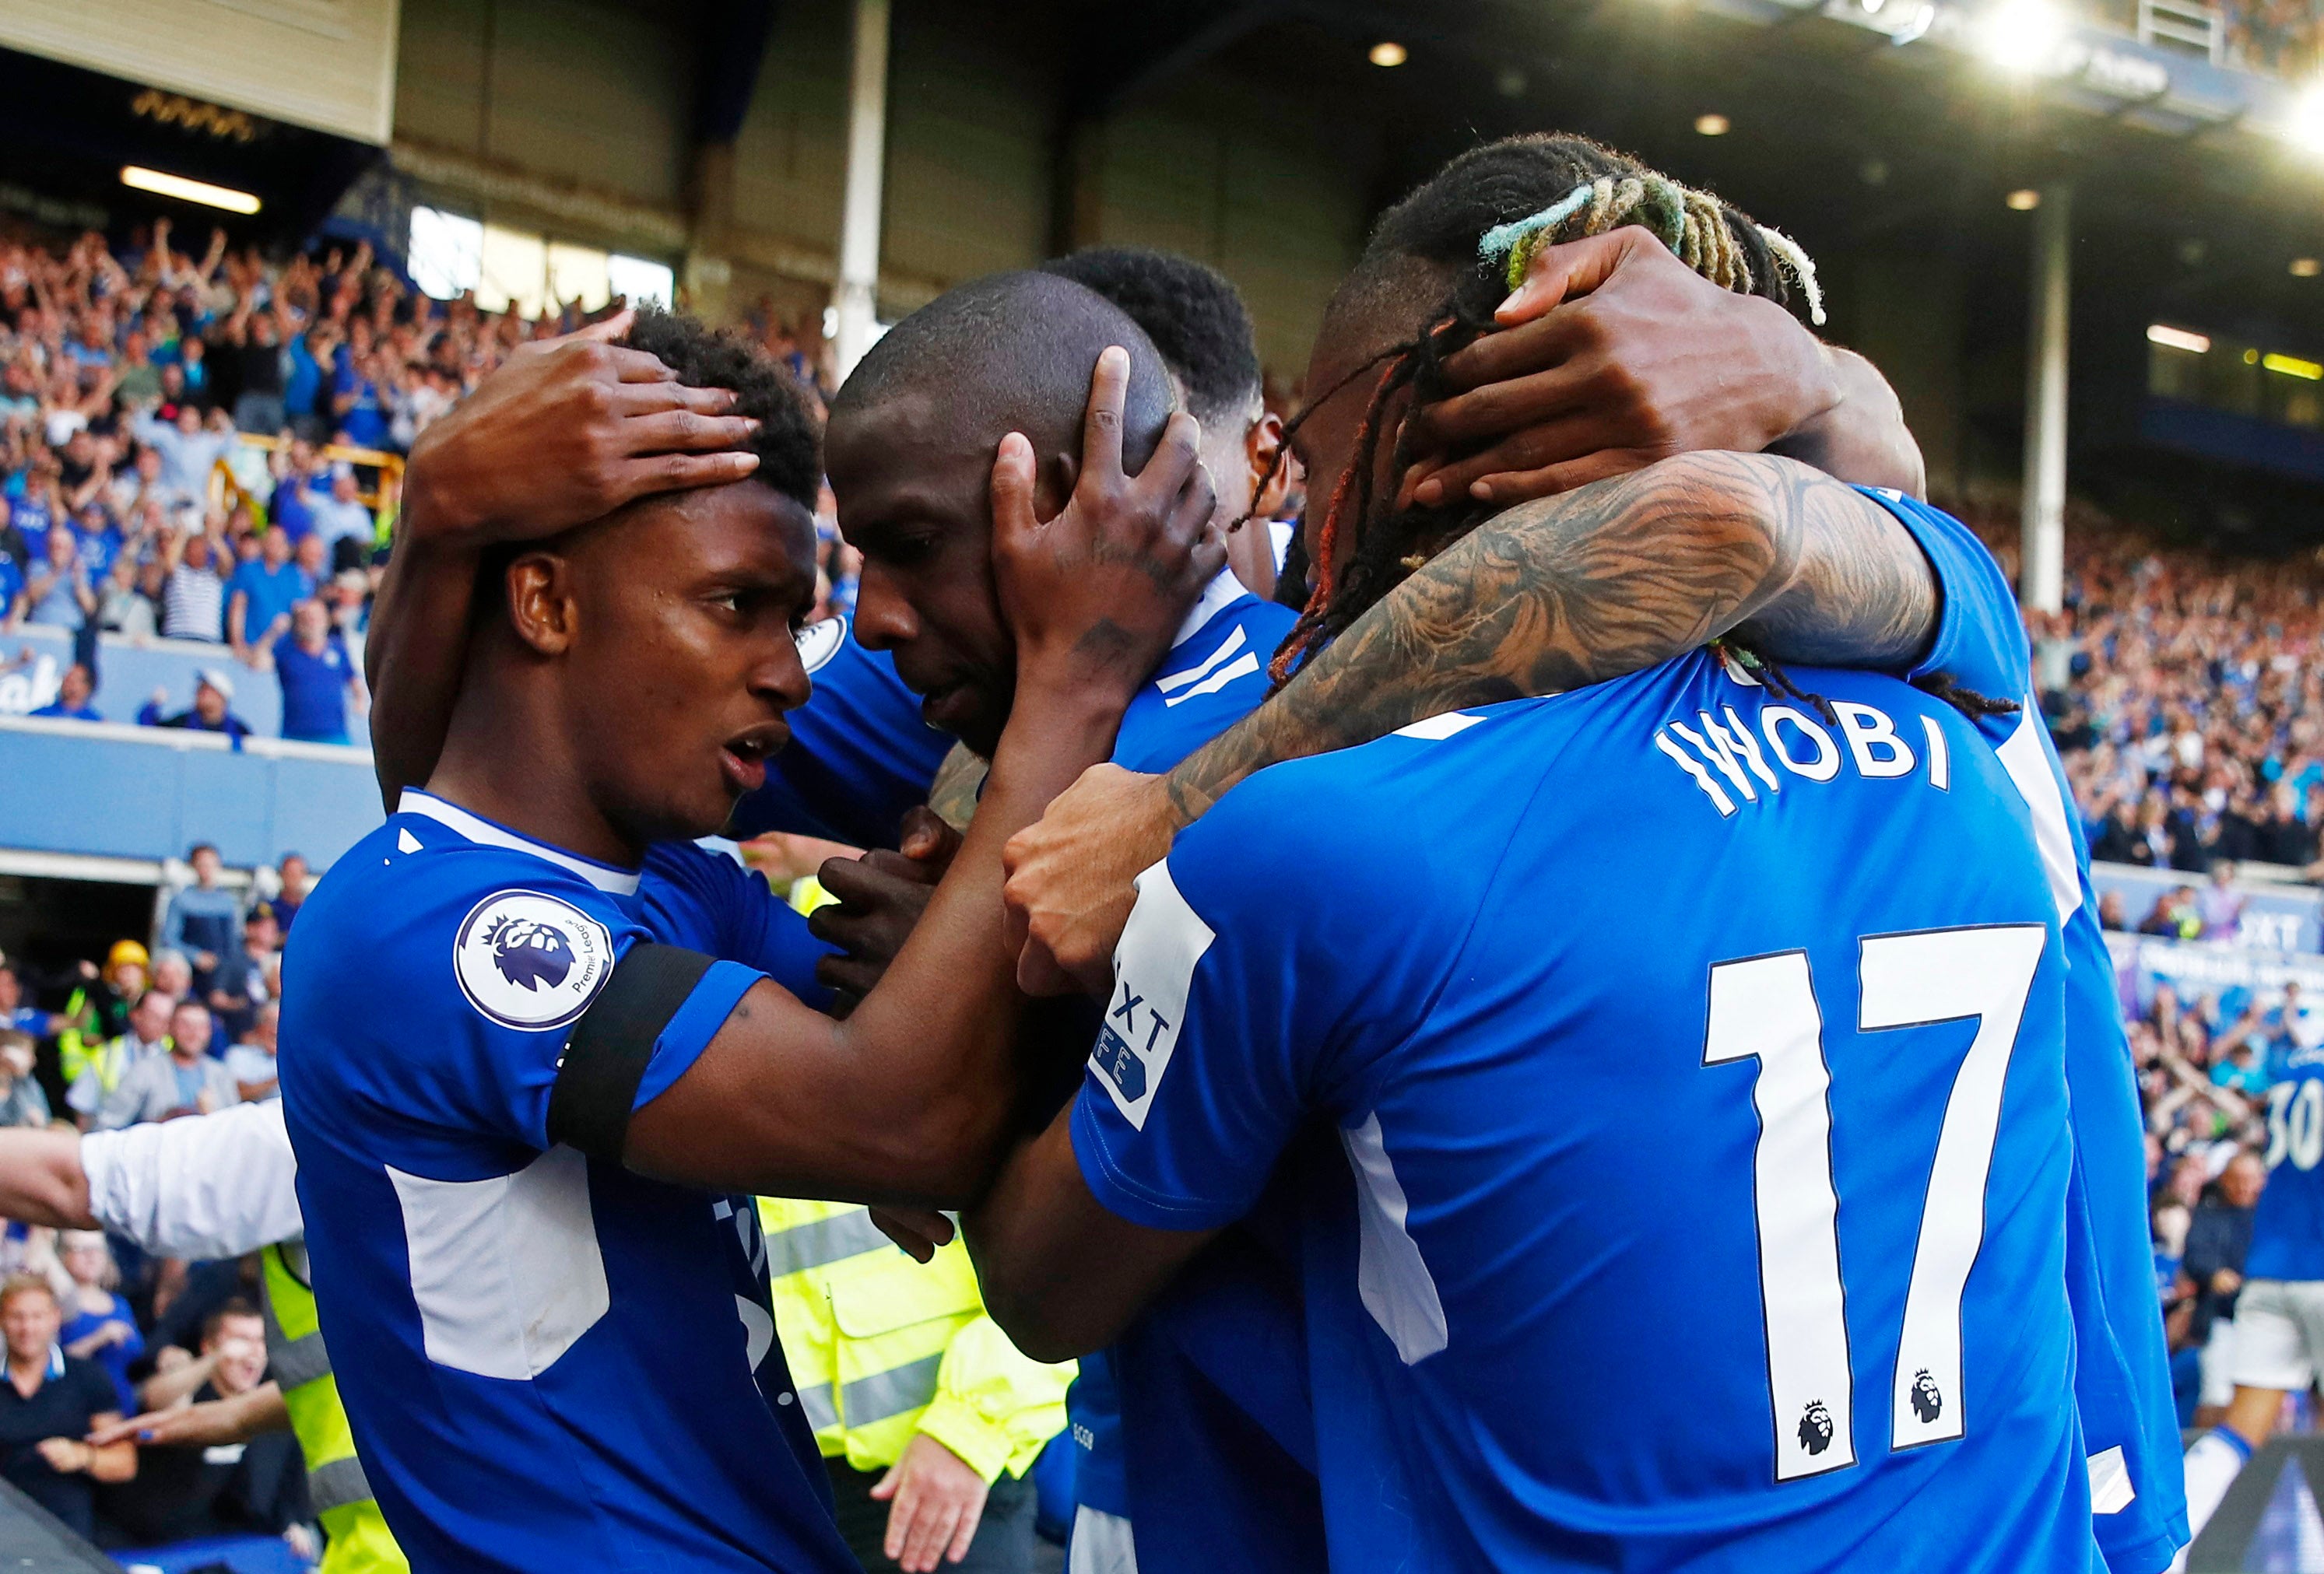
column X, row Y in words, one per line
column 1509, row 603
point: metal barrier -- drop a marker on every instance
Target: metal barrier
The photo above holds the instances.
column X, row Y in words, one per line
column 32, row 1541
column 2267, row 1523
column 225, row 490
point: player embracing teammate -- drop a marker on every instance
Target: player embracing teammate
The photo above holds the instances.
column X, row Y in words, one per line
column 1868, row 1350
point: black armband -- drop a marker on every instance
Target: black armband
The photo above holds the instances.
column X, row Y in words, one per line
column 606, row 1057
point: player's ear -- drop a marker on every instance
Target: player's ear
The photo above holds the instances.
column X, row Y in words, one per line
column 541, row 601
column 1261, row 445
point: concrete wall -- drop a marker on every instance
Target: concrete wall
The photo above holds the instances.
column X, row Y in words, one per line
column 570, row 115
column 591, row 92
column 1233, row 173
column 329, row 64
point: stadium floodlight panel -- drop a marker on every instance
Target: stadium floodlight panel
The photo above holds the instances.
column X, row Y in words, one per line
column 2306, row 125
column 163, row 184
column 2178, row 339
column 2022, row 36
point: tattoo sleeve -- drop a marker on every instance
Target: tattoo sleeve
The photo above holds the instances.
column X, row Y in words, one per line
column 1591, row 584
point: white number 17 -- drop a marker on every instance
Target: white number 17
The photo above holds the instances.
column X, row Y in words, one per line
column 1765, row 1008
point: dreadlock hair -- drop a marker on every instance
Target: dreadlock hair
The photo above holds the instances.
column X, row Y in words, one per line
column 1479, row 219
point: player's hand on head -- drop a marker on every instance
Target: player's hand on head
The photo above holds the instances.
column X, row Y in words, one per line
column 567, row 430
column 881, row 896
column 1094, row 594
column 1611, row 354
column 1070, row 878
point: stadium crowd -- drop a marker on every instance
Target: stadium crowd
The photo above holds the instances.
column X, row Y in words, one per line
column 2190, row 718
column 99, row 1333
column 205, row 448
column 2190, row 722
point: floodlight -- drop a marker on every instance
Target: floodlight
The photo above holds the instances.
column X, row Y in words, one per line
column 2022, row 36
column 2306, row 125
column 185, row 190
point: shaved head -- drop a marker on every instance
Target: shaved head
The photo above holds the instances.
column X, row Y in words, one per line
column 1013, row 353
column 909, row 450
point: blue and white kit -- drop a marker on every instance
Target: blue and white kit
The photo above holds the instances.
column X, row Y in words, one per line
column 1836, row 1271
column 564, row 1363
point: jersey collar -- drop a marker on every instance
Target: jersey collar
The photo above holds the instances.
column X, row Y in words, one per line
column 618, row 882
column 1223, row 590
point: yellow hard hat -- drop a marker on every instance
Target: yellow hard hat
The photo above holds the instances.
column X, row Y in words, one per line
column 126, row 951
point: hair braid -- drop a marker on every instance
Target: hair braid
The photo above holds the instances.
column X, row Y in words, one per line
column 1354, row 486
column 1484, row 216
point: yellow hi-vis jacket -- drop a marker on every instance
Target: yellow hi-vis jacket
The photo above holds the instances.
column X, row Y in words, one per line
column 359, row 1542
column 882, row 1347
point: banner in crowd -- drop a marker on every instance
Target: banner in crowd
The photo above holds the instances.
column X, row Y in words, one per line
column 2274, row 917
column 2195, row 968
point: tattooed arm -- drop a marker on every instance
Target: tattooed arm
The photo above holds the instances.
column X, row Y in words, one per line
column 1551, row 595
column 1594, row 584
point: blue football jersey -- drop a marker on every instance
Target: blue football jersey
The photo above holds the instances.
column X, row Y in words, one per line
column 1703, row 1124
column 707, row 901
column 859, row 756
column 2287, row 1238
column 1214, row 675
column 2122, row 1379
column 562, row 1363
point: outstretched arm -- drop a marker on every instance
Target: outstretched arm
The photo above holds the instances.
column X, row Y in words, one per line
column 1554, row 595
column 908, row 1101
column 251, row 1414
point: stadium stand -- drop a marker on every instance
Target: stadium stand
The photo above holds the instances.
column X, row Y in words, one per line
column 202, row 441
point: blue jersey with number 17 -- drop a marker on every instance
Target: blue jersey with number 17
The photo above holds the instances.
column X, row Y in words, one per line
column 2122, row 1373
column 1703, row 1129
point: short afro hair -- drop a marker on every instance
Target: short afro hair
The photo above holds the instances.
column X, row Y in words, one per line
column 788, row 443
column 1195, row 318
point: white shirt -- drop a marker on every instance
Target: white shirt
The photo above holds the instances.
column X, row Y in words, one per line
column 203, row 1186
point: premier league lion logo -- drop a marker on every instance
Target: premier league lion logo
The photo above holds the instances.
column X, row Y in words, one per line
column 1928, row 1404
column 530, row 960
column 1815, row 1427
column 530, row 952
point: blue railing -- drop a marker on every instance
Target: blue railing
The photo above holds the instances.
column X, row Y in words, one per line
column 128, row 675
column 98, row 789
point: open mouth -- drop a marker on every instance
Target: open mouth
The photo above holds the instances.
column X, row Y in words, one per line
column 743, row 758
